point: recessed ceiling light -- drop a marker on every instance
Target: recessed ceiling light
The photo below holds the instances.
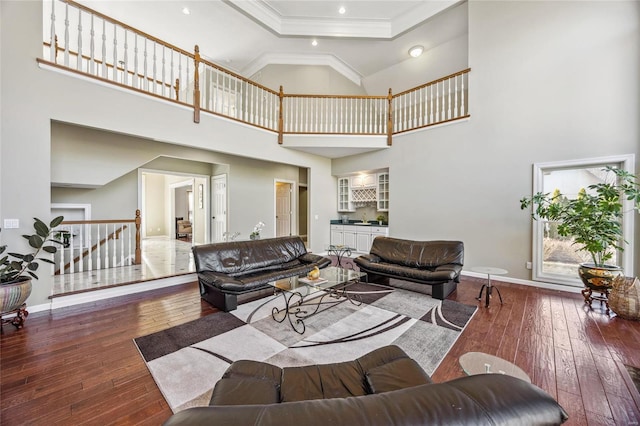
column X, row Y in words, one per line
column 416, row 51
column 186, row 11
column 314, row 42
column 342, row 10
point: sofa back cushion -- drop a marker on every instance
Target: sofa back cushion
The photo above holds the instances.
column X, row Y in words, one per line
column 418, row 254
column 238, row 257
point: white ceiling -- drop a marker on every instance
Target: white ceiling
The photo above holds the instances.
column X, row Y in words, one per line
column 244, row 36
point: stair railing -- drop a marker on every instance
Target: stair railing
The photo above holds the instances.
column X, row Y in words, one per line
column 97, row 244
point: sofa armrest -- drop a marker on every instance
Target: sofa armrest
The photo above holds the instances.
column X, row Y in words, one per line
column 321, row 261
column 219, row 280
column 372, row 258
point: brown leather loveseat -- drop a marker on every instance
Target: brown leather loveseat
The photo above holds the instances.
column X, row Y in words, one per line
column 227, row 270
column 384, row 387
column 437, row 263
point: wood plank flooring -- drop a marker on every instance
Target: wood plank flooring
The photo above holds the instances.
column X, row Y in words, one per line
column 79, row 365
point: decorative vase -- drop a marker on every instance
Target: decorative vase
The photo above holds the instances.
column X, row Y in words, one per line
column 598, row 279
column 254, row 236
column 12, row 298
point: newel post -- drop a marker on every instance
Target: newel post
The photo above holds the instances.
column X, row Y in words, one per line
column 138, row 255
column 280, row 119
column 389, row 119
column 196, row 86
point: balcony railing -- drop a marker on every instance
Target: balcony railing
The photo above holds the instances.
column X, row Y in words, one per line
column 85, row 41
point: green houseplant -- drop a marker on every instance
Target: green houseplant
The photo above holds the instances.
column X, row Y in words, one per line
column 593, row 220
column 17, row 269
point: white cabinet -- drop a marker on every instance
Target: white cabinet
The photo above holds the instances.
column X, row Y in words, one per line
column 357, row 237
column 363, row 181
column 382, row 195
column 337, row 235
column 349, row 235
column 344, row 195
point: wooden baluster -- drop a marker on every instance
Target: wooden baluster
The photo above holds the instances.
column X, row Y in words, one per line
column 390, row 118
column 144, row 65
column 126, row 59
column 66, row 34
column 92, row 49
column 154, row 81
column 106, row 246
column 280, row 117
column 449, row 102
column 81, row 250
column 98, row 248
column 216, row 92
column 90, row 247
column 114, row 77
column 53, row 47
column 196, row 85
column 79, row 58
column 177, row 89
column 114, row 246
column 104, row 49
column 138, row 259
column 135, row 62
column 163, row 79
column 455, row 97
column 463, row 110
column 171, row 79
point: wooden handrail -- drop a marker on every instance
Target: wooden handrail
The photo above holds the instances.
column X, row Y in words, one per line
column 455, row 74
column 366, row 97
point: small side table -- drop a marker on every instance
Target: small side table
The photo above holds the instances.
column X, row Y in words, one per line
column 339, row 251
column 481, row 363
column 489, row 271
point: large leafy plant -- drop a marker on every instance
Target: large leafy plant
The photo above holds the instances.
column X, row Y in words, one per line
column 594, row 218
column 16, row 265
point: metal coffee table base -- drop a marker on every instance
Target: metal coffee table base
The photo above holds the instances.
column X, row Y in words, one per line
column 299, row 310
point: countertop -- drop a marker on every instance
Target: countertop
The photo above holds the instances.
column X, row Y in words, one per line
column 353, row 222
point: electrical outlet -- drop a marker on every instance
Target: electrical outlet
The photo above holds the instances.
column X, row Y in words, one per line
column 11, row 223
column 529, row 265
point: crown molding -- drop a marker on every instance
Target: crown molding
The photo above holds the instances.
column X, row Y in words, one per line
column 342, row 27
column 302, row 59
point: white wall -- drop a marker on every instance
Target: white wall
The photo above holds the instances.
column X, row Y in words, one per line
column 32, row 97
column 306, row 79
column 549, row 81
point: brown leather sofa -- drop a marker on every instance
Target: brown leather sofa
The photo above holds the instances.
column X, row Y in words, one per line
column 384, row 387
column 436, row 263
column 227, row 270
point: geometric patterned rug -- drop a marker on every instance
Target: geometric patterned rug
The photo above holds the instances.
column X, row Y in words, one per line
column 187, row 360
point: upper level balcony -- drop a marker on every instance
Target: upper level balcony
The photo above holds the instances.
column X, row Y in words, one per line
column 83, row 41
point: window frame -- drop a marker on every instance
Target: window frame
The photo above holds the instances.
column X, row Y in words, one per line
column 626, row 162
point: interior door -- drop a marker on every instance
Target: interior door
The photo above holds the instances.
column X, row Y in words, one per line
column 219, row 207
column 283, row 209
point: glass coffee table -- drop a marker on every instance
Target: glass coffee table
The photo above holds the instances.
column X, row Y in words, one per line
column 480, row 363
column 305, row 298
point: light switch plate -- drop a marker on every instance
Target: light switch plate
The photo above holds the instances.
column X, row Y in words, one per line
column 11, row 223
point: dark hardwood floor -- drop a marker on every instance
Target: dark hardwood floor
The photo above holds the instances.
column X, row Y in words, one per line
column 79, row 365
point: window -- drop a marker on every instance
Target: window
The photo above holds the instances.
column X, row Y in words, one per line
column 554, row 257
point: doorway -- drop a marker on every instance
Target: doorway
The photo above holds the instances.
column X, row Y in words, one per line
column 284, row 216
column 219, row 208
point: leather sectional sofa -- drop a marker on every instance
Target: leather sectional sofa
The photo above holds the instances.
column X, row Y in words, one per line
column 227, row 270
column 384, row 387
column 436, row 263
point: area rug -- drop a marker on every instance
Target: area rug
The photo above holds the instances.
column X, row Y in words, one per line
column 187, row 360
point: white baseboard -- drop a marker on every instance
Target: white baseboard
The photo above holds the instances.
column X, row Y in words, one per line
column 107, row 293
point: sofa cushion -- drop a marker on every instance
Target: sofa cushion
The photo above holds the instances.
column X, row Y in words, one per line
column 398, row 374
column 243, row 256
column 418, row 254
column 324, row 381
column 244, row 391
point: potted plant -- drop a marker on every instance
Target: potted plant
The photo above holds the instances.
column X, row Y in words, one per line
column 380, row 219
column 593, row 220
column 17, row 270
column 255, row 234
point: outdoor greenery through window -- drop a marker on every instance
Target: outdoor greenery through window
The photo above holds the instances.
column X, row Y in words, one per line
column 555, row 257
